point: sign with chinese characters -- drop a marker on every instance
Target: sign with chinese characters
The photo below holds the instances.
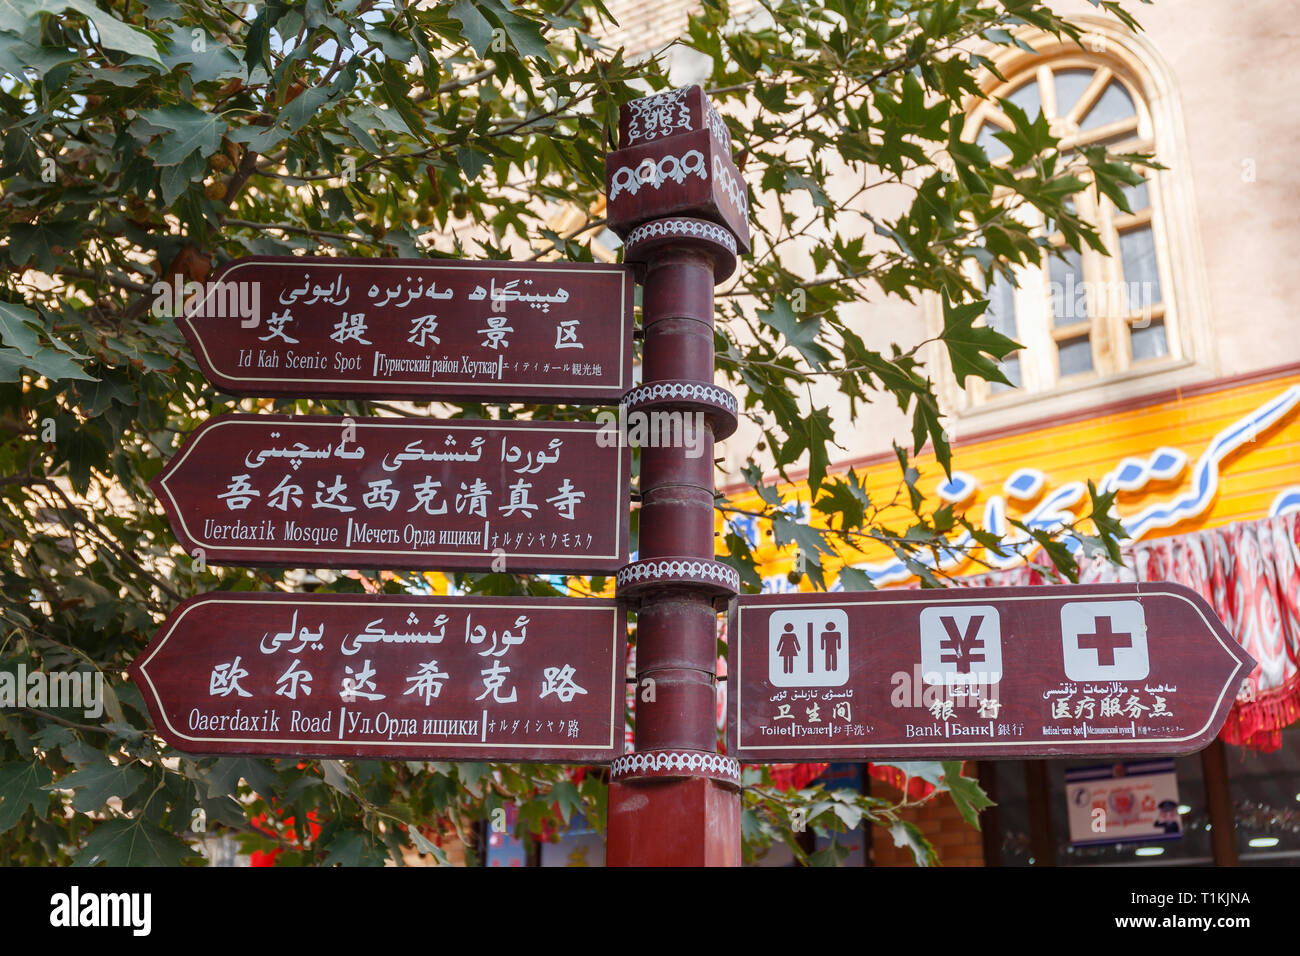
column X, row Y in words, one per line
column 386, row 676
column 400, row 492
column 1133, row 802
column 975, row 673
column 415, row 328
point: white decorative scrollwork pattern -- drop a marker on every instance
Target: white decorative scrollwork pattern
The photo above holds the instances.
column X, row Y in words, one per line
column 651, row 173
column 694, row 228
column 672, row 570
column 696, row 761
column 734, row 191
column 718, row 127
column 655, row 116
column 695, row 391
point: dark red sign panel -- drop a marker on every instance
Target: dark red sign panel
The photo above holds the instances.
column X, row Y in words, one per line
column 400, row 493
column 415, row 328
column 974, row 673
column 394, row 677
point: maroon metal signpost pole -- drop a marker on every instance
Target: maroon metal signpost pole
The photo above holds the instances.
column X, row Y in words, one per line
column 678, row 202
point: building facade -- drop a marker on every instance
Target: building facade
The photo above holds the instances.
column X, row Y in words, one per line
column 1168, row 371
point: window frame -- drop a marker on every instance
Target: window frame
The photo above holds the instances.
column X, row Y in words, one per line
column 1107, row 328
column 1179, row 261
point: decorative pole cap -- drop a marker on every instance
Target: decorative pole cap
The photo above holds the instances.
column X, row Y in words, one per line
column 675, row 160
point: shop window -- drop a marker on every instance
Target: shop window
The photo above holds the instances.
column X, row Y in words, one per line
column 1085, row 318
column 1264, row 789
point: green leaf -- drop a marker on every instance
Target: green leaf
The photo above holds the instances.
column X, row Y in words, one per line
column 257, row 46
column 17, row 56
column 336, row 776
column 966, row 793
column 909, row 835
column 57, row 366
column 967, row 342
column 566, row 796
column 99, row 781
column 359, row 132
column 476, row 27
column 833, row 855
column 931, row 771
column 471, row 775
column 112, row 386
column 185, row 130
column 424, row 845
column 303, row 109
column 395, row 46
column 38, row 244
column 927, row 424
column 1109, row 524
column 213, row 62
column 350, row 848
column 224, row 775
column 801, row 334
column 811, row 434
column 22, row 785
column 1057, row 550
column 524, row 34
column 1028, row 139
column 854, row 579
column 809, row 540
column 113, row 33
column 397, row 96
column 844, row 498
column 850, row 814
column 794, row 180
column 18, row 325
column 124, row 842
column 472, row 161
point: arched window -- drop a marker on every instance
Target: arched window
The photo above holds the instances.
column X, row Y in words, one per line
column 1084, row 317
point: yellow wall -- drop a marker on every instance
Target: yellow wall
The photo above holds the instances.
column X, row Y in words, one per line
column 1250, row 477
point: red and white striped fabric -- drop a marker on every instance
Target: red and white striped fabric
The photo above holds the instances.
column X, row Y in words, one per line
column 1250, row 574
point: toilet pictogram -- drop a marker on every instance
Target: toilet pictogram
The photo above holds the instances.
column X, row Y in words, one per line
column 808, row 648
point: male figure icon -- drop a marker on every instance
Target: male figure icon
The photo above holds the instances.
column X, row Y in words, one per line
column 831, row 646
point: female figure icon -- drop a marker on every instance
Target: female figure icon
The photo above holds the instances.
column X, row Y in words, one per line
column 787, row 646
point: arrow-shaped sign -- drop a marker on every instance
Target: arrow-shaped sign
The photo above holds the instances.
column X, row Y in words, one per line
column 412, row 328
column 390, row 676
column 400, row 492
column 975, row 673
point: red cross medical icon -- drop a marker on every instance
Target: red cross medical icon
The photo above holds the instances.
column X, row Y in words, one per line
column 1105, row 641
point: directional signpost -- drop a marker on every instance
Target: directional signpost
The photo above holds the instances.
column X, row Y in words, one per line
column 404, row 678
column 415, row 328
column 682, row 210
column 973, row 673
column 400, row 492
column 979, row 673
